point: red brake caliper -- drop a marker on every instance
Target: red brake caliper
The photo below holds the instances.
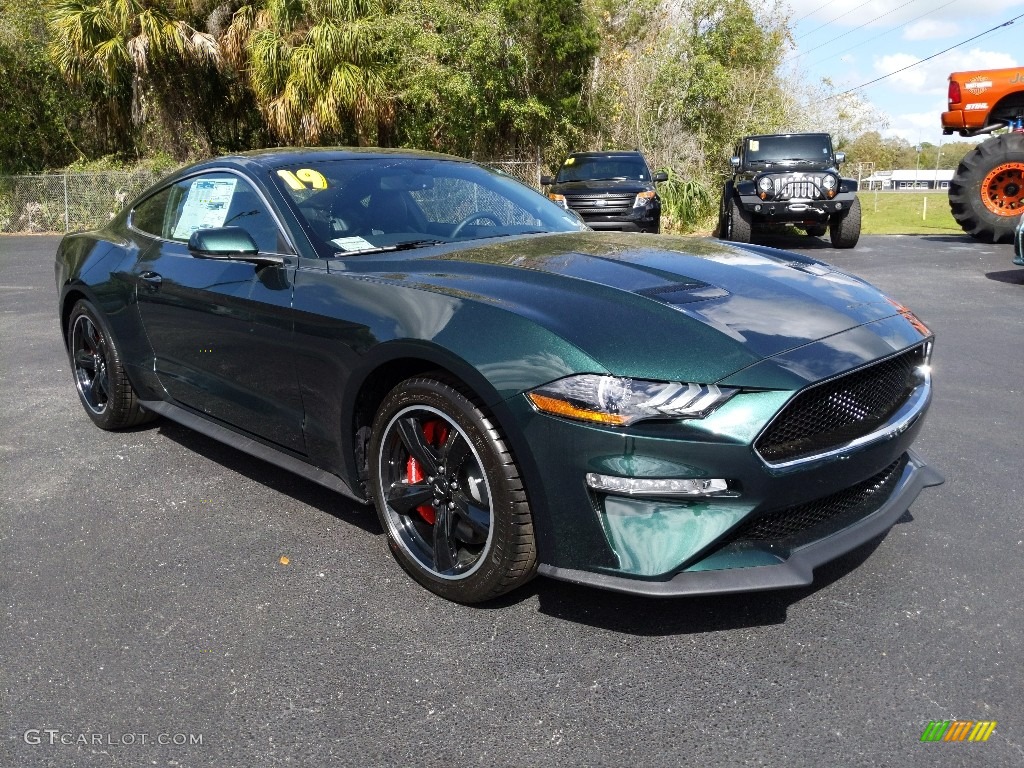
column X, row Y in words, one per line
column 435, row 433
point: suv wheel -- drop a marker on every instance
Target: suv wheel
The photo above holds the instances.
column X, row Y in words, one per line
column 845, row 230
column 740, row 224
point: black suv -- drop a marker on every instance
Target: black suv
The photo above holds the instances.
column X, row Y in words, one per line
column 609, row 190
column 789, row 178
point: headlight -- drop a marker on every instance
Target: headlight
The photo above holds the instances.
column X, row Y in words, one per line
column 643, row 198
column 619, row 402
column 830, row 184
column 560, row 199
column 765, row 187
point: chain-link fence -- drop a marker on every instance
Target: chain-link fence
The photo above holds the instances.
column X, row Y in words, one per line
column 526, row 169
column 67, row 201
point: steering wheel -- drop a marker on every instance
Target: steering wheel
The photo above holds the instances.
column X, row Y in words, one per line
column 492, row 217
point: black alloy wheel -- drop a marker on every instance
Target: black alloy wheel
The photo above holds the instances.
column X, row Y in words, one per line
column 102, row 384
column 448, row 493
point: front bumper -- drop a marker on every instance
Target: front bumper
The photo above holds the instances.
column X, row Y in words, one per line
column 790, row 210
column 792, row 569
column 646, row 219
column 715, row 543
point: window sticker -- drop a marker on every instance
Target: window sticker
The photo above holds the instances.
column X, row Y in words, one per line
column 352, row 243
column 206, row 206
column 570, row 160
column 755, row 145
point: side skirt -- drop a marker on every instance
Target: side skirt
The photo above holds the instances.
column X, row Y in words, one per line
column 252, row 447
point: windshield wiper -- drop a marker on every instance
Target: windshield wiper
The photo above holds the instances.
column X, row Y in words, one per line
column 408, row 245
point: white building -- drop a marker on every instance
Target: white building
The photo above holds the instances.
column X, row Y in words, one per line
column 907, row 180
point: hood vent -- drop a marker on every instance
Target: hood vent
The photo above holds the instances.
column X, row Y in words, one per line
column 683, row 293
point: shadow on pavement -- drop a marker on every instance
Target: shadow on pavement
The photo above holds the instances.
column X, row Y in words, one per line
column 275, row 478
column 1012, row 276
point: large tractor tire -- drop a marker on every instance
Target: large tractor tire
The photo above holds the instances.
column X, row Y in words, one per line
column 986, row 194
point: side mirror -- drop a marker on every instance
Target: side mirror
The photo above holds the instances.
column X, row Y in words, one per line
column 224, row 242
column 840, row 158
column 546, row 180
column 230, row 243
column 734, row 162
column 660, row 176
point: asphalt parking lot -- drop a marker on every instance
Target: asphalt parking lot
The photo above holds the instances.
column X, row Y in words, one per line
column 148, row 618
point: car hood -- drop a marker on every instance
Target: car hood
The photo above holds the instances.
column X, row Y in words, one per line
column 598, row 186
column 656, row 307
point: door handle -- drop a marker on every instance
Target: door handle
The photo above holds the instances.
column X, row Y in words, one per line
column 152, row 280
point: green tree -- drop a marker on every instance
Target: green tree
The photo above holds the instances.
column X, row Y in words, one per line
column 314, row 67
column 43, row 117
column 489, row 77
column 129, row 57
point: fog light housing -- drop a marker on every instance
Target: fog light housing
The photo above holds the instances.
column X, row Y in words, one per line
column 654, row 486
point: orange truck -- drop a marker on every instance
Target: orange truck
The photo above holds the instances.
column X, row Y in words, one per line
column 986, row 194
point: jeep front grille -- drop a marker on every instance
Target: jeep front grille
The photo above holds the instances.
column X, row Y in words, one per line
column 790, row 188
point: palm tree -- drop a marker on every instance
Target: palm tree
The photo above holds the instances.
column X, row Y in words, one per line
column 314, row 67
column 113, row 46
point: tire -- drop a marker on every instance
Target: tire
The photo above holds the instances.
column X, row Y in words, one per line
column 844, row 230
column 986, row 194
column 103, row 386
column 816, row 230
column 448, row 493
column 740, row 224
column 722, row 232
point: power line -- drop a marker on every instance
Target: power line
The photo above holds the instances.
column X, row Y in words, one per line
column 929, row 58
column 811, row 13
column 837, row 18
column 883, row 34
column 866, row 23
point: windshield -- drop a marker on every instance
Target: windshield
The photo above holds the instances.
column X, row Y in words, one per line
column 580, row 168
column 811, row 149
column 365, row 205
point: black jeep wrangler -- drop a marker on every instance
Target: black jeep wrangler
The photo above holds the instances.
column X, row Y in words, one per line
column 789, row 178
column 609, row 190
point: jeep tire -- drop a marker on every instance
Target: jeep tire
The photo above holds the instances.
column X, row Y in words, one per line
column 844, row 228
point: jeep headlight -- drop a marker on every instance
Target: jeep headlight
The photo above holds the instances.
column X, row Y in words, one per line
column 765, row 187
column 830, row 184
column 619, row 401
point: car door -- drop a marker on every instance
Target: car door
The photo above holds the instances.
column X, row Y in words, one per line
column 220, row 329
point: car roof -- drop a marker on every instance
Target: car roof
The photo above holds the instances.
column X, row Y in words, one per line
column 275, row 156
column 609, row 153
column 778, row 135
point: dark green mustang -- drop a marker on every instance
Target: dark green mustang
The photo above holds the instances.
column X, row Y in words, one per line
column 513, row 392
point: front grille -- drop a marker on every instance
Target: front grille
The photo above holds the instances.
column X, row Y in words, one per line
column 601, row 204
column 806, row 190
column 839, row 510
column 831, row 414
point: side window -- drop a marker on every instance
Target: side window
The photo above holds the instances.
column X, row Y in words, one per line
column 207, row 202
column 149, row 215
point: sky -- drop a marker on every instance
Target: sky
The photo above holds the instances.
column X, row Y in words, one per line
column 854, row 42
